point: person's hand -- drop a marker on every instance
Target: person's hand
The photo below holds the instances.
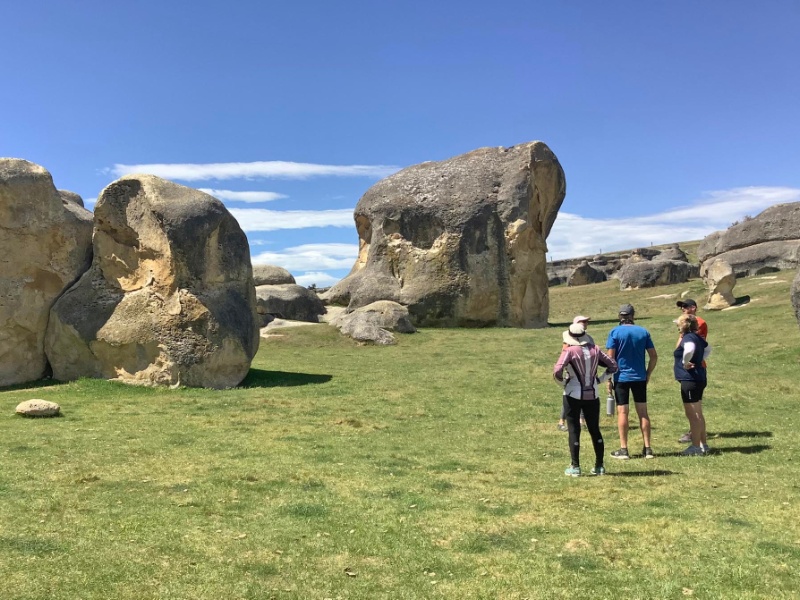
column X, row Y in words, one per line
column 689, row 366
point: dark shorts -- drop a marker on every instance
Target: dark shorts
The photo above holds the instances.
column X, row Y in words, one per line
column 623, row 390
column 692, row 391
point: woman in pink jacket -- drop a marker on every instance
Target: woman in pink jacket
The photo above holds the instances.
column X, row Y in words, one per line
column 576, row 369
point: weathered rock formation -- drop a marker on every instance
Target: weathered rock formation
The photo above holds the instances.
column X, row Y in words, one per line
column 38, row 408
column 585, row 274
column 271, row 275
column 651, row 273
column 375, row 322
column 45, row 245
column 671, row 252
column 169, row 298
column 765, row 243
column 288, row 301
column 460, row 242
column 720, row 279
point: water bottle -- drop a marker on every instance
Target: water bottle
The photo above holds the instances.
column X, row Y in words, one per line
column 610, row 404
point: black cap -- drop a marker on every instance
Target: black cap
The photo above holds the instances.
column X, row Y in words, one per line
column 686, row 303
column 626, row 309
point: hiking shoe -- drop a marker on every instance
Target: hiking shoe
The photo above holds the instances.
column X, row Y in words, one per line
column 647, row 452
column 572, row 472
column 693, row 451
column 601, row 470
column 621, row 454
column 686, row 438
column 561, row 427
column 705, row 449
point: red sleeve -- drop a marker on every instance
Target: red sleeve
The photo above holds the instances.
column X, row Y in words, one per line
column 702, row 328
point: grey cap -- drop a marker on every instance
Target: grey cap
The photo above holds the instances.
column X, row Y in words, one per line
column 626, row 309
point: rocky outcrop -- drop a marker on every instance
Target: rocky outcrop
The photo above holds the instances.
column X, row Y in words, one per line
column 169, row 298
column 45, row 245
column 767, row 242
column 720, row 279
column 375, row 322
column 271, row 275
column 671, row 252
column 288, row 301
column 460, row 242
column 585, row 274
column 651, row 273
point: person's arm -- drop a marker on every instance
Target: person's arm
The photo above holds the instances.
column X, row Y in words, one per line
column 688, row 355
column 609, row 363
column 611, row 353
column 561, row 363
column 651, row 364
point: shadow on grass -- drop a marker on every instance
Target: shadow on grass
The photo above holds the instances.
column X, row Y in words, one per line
column 654, row 473
column 740, row 300
column 261, row 378
column 741, row 434
column 593, row 322
column 716, row 451
column 32, row 385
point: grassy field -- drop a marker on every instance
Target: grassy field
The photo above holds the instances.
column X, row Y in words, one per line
column 429, row 469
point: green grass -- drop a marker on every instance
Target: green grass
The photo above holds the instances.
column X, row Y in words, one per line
column 429, row 469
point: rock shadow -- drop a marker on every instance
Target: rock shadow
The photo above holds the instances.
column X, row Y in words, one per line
column 654, row 473
column 260, row 378
column 741, row 300
column 741, row 434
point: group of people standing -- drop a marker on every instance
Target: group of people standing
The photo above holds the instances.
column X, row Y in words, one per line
column 629, row 360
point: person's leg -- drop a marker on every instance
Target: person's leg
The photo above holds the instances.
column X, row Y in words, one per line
column 562, row 419
column 622, row 393
column 694, row 414
column 591, row 412
column 573, row 425
column 640, row 399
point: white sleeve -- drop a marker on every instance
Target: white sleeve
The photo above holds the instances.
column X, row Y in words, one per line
column 707, row 352
column 688, row 353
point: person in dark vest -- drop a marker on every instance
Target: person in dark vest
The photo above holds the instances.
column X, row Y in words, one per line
column 690, row 371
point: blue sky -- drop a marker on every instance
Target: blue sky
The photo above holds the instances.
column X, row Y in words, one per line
column 671, row 120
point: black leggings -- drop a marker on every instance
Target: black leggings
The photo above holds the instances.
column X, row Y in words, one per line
column 591, row 413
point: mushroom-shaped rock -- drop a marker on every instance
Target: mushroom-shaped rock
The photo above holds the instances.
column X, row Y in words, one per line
column 45, row 245
column 460, row 242
column 720, row 279
column 169, row 298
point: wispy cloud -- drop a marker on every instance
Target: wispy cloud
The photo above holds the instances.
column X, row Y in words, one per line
column 311, row 257
column 243, row 196
column 261, row 219
column 272, row 169
column 573, row 235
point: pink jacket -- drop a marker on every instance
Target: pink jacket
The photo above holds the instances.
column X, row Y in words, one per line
column 581, row 363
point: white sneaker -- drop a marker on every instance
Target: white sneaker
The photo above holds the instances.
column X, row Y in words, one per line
column 686, row 438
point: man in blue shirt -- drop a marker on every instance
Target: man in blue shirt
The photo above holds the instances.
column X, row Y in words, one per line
column 628, row 344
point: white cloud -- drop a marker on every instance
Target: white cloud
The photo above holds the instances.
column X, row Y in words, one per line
column 243, row 196
column 272, row 169
column 317, row 278
column 573, row 235
column 308, row 257
column 261, row 219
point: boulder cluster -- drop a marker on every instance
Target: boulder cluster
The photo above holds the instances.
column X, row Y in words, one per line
column 155, row 288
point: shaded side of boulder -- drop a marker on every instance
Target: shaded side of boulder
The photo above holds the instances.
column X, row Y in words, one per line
column 634, row 275
column 289, row 301
column 169, row 298
column 383, row 313
column 271, row 275
column 68, row 197
column 460, row 242
column 585, row 274
column 720, row 279
column 45, row 245
column 672, row 252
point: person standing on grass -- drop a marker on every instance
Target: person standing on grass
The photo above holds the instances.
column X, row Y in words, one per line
column 690, row 372
column 629, row 344
column 570, row 341
column 689, row 307
column 580, row 362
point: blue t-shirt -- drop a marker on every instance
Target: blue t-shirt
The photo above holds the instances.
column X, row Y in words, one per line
column 630, row 344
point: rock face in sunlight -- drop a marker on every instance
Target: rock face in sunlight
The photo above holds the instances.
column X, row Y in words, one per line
column 585, row 274
column 720, row 279
column 45, row 245
column 460, row 242
column 271, row 275
column 287, row 301
column 652, row 273
column 768, row 242
column 169, row 298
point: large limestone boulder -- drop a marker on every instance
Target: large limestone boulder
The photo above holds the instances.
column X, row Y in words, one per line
column 288, row 301
column 796, row 296
column 460, row 242
column 672, row 252
column 45, row 245
column 271, row 275
column 169, row 298
column 720, row 279
column 585, row 274
column 651, row 273
column 375, row 322
column 767, row 242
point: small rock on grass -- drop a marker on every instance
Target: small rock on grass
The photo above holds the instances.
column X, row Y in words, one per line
column 38, row 408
